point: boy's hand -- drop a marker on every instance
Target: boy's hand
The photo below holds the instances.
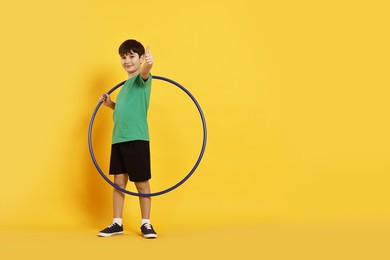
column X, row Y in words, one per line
column 106, row 100
column 148, row 56
column 147, row 66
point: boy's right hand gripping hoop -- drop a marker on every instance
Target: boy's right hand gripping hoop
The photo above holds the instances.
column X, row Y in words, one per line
column 177, row 184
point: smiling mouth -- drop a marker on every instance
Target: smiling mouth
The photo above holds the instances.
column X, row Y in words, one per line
column 129, row 67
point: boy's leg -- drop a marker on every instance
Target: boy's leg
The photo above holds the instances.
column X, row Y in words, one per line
column 118, row 196
column 144, row 202
column 118, row 202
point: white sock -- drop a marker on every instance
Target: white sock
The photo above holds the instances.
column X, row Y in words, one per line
column 118, row 221
column 145, row 221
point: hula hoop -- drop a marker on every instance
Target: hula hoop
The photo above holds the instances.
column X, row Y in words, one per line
column 177, row 184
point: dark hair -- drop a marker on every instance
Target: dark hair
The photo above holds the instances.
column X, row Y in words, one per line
column 131, row 46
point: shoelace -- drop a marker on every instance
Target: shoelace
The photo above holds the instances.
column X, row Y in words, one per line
column 148, row 226
column 111, row 225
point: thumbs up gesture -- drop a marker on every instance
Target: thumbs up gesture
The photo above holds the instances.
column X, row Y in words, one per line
column 148, row 56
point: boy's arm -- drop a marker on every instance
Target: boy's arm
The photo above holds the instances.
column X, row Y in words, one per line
column 147, row 67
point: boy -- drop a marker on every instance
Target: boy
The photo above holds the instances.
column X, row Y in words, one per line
column 130, row 154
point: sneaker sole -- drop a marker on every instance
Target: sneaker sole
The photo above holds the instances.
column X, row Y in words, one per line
column 109, row 235
column 150, row 235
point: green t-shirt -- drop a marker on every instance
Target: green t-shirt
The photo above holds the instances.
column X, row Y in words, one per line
column 131, row 110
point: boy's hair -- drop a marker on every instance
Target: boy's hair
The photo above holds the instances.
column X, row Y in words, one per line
column 131, row 46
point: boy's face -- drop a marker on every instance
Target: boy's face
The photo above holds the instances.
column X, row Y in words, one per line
column 131, row 62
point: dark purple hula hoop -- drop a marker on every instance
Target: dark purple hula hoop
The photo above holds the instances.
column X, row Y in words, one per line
column 177, row 184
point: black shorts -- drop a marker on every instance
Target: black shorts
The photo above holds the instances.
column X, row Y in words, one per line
column 133, row 158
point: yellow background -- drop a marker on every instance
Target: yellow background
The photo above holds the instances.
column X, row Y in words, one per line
column 295, row 94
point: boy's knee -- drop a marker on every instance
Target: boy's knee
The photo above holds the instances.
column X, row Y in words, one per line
column 120, row 180
column 143, row 187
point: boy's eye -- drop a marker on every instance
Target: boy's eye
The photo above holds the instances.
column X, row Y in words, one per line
column 131, row 57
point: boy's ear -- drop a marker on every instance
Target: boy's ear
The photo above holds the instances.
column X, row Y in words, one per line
column 142, row 58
